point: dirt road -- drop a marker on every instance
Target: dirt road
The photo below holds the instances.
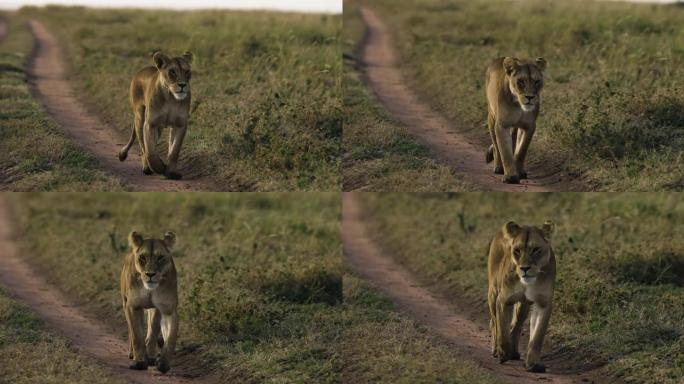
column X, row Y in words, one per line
column 47, row 69
column 86, row 334
column 3, row 30
column 442, row 137
column 454, row 321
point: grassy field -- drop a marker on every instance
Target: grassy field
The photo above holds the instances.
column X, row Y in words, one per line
column 261, row 279
column 620, row 261
column 379, row 154
column 612, row 101
column 31, row 353
column 266, row 87
column 34, row 154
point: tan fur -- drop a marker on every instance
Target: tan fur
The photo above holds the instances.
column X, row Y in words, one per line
column 510, row 298
column 513, row 100
column 160, row 97
column 150, row 261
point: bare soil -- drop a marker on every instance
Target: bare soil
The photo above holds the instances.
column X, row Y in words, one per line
column 455, row 320
column 3, row 30
column 445, row 139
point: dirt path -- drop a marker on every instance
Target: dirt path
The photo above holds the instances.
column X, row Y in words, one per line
column 88, row 335
column 383, row 76
column 47, row 69
column 3, row 30
column 452, row 321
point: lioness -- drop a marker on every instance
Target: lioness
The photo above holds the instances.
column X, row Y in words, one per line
column 148, row 284
column 522, row 270
column 160, row 97
column 512, row 89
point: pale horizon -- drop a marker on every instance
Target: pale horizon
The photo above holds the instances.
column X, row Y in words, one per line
column 309, row 6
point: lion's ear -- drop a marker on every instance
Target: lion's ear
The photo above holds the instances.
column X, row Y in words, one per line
column 541, row 63
column 510, row 65
column 169, row 239
column 547, row 229
column 160, row 59
column 188, row 56
column 135, row 240
column 511, row 229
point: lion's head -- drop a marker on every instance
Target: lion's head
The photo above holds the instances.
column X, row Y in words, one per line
column 174, row 73
column 530, row 249
column 152, row 257
column 525, row 80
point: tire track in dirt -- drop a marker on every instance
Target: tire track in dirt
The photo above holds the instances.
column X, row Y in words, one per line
column 47, row 71
column 382, row 74
column 451, row 321
column 86, row 334
column 3, row 30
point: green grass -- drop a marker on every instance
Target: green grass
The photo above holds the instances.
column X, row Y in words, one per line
column 620, row 261
column 264, row 295
column 34, row 154
column 612, row 102
column 266, row 87
column 33, row 354
column 379, row 153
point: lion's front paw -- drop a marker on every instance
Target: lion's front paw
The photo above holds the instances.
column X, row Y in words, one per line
column 139, row 365
column 163, row 365
column 498, row 170
column 522, row 175
column 536, row 368
column 147, row 170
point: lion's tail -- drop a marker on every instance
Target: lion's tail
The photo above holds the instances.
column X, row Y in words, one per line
column 489, row 157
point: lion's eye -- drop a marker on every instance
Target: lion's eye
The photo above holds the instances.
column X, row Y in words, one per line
column 516, row 253
column 535, row 251
column 141, row 259
column 188, row 74
column 521, row 83
column 538, row 83
column 172, row 73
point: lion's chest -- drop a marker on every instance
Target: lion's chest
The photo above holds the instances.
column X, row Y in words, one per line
column 538, row 292
column 516, row 117
column 145, row 298
column 169, row 115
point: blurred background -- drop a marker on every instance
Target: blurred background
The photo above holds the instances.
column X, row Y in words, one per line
column 317, row 6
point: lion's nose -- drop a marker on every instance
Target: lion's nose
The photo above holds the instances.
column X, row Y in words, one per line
column 150, row 274
column 524, row 269
column 529, row 98
column 182, row 85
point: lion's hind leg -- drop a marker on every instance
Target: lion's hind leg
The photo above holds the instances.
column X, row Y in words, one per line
column 491, row 301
